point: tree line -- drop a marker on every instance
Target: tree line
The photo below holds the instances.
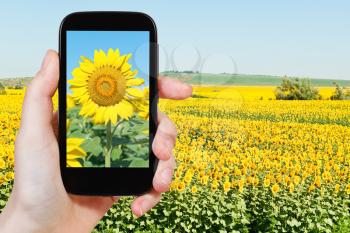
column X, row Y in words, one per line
column 301, row 89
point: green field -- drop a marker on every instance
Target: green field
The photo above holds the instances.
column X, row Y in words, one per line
column 244, row 79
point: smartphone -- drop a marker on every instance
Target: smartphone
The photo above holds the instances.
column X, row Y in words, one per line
column 107, row 102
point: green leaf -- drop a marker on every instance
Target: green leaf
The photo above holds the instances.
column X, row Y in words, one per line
column 76, row 134
column 293, row 222
column 329, row 221
column 139, row 163
column 87, row 164
column 116, row 152
column 120, row 140
column 99, row 127
column 166, row 213
column 178, row 213
column 93, row 146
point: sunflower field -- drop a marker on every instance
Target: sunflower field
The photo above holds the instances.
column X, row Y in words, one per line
column 245, row 163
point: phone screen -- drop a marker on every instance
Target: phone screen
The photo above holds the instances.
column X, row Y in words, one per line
column 107, row 108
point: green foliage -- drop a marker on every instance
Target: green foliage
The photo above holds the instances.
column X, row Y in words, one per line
column 205, row 211
column 340, row 93
column 18, row 86
column 343, row 226
column 181, row 212
column 129, row 144
column 2, row 89
column 300, row 211
column 258, row 211
column 240, row 79
column 5, row 190
column 298, row 89
column 11, row 83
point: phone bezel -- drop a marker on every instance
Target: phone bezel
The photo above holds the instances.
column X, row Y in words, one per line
column 108, row 181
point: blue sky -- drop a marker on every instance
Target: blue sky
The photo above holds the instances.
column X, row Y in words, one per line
column 297, row 38
column 84, row 43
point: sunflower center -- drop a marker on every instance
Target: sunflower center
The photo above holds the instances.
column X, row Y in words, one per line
column 107, row 86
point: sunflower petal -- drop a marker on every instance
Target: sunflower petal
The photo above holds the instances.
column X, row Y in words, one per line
column 78, row 91
column 126, row 67
column 119, row 62
column 100, row 115
column 88, row 109
column 130, row 74
column 74, row 150
column 78, row 82
column 74, row 141
column 135, row 82
column 111, row 115
column 114, row 112
column 73, row 163
column 127, row 57
column 112, row 56
column 76, row 153
column 70, row 101
column 100, row 58
column 86, row 65
column 125, row 109
column 79, row 73
column 135, row 92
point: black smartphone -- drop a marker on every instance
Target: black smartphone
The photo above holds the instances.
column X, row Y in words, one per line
column 107, row 102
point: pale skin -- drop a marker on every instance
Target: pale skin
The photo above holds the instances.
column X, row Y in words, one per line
column 39, row 201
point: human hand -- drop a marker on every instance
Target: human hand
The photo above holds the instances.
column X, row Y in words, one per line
column 39, row 201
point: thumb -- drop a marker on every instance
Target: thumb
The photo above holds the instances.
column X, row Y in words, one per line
column 37, row 107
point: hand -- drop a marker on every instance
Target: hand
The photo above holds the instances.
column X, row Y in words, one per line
column 39, row 201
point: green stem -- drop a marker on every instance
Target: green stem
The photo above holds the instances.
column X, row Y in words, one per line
column 116, row 126
column 109, row 145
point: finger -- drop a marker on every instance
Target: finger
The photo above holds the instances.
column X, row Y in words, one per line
column 115, row 198
column 165, row 138
column 164, row 174
column 144, row 203
column 55, row 123
column 173, row 89
column 37, row 105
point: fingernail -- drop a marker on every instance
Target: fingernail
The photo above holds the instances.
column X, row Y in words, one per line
column 45, row 62
column 166, row 176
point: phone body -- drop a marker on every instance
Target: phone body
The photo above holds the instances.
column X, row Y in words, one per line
column 107, row 102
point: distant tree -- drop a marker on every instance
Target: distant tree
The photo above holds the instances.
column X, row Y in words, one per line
column 340, row 93
column 18, row 86
column 2, row 89
column 297, row 89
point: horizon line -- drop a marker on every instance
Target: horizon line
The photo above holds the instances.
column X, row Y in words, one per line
column 222, row 73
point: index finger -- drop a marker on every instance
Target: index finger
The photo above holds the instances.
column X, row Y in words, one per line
column 173, row 89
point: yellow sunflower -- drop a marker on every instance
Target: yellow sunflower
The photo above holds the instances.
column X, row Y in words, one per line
column 275, row 188
column 105, row 87
column 70, row 102
column 74, row 152
column 142, row 105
